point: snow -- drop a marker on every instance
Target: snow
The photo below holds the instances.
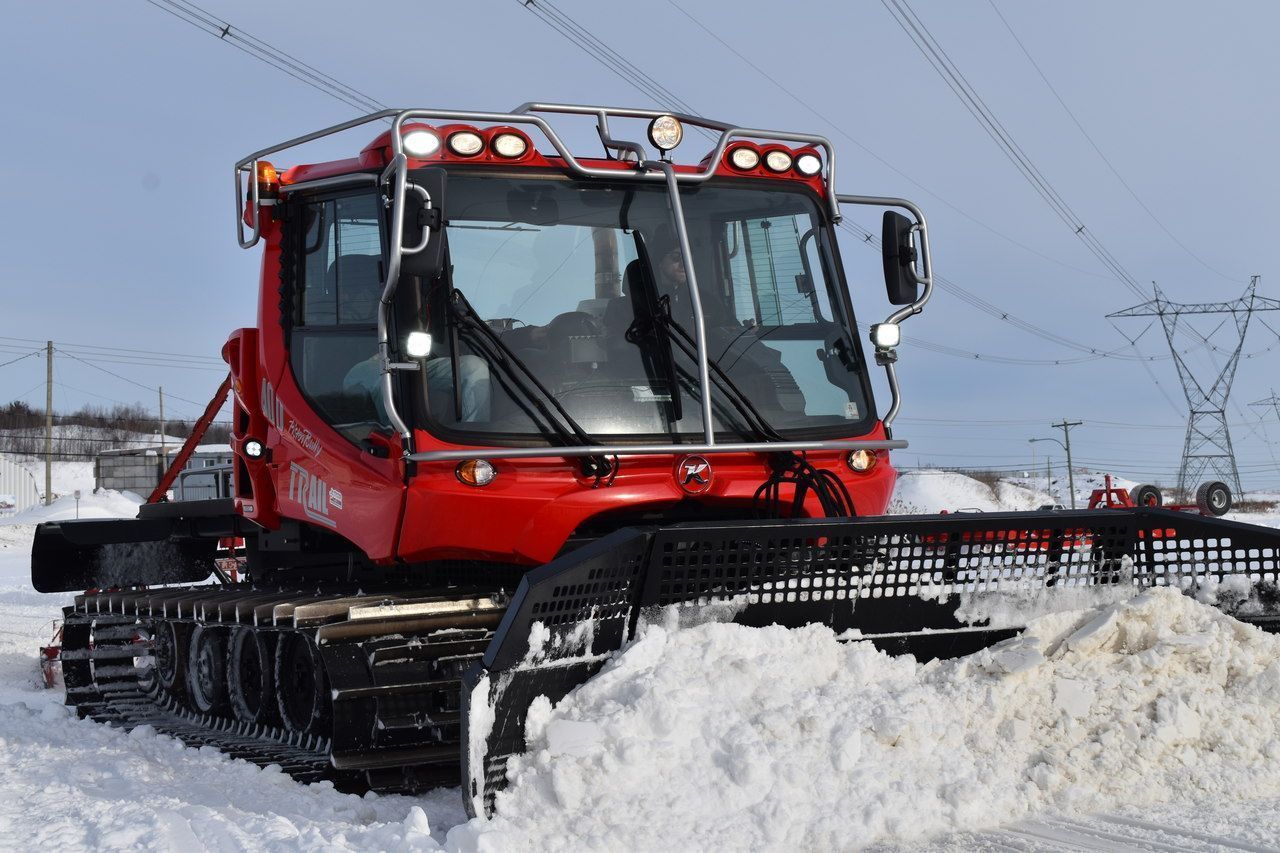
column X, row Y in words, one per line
column 811, row 743
column 1111, row 724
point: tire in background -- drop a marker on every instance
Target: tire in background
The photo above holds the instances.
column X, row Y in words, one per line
column 1213, row 498
column 1146, row 495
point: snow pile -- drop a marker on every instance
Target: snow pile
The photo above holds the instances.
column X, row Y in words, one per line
column 105, row 503
column 726, row 737
column 930, row 491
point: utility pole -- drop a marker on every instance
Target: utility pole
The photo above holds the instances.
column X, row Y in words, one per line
column 164, row 462
column 1066, row 426
column 48, row 424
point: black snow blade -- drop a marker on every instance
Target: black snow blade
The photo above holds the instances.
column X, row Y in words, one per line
column 72, row 556
column 931, row 586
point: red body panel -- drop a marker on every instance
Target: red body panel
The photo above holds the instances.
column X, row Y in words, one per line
column 313, row 474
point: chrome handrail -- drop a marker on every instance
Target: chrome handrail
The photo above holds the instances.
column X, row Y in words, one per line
column 526, row 114
column 924, row 277
column 652, row 449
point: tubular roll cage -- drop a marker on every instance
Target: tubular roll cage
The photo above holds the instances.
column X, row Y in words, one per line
column 395, row 184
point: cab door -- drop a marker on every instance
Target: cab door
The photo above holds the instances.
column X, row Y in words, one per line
column 337, row 473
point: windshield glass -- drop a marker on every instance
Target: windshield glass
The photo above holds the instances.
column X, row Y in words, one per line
column 585, row 300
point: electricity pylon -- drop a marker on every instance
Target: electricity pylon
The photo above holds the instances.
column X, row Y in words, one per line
column 1208, row 443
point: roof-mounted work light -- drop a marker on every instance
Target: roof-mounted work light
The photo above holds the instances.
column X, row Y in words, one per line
column 509, row 145
column 421, row 143
column 665, row 132
column 808, row 165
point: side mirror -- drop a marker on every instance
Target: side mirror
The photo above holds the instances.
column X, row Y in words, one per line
column 899, row 253
column 428, row 263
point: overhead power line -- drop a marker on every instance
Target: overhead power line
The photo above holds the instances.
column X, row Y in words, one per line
column 968, row 96
column 273, row 56
column 19, row 358
column 607, row 56
column 1093, row 144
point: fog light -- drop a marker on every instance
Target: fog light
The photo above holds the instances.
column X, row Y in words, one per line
column 476, row 472
column 744, row 158
column 421, row 143
column 886, row 335
column 253, row 448
column 464, row 143
column 665, row 132
column 862, row 460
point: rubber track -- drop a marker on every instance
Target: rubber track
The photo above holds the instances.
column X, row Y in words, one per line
column 105, row 661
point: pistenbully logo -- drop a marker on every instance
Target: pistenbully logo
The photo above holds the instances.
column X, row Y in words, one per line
column 693, row 473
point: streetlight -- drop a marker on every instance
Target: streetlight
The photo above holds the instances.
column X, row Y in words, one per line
column 1048, row 467
column 1070, row 475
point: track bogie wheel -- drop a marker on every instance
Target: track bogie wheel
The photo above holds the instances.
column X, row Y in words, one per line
column 301, row 690
column 1146, row 495
column 1213, row 498
column 250, row 676
column 170, row 654
column 206, row 670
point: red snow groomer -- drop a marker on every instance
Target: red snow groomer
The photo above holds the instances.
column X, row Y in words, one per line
column 502, row 400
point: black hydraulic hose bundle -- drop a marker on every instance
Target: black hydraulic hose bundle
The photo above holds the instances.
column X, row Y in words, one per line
column 796, row 469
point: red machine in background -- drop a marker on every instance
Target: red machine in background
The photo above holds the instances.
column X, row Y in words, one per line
column 1212, row 498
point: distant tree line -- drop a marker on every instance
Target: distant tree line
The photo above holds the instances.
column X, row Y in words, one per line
column 84, row 433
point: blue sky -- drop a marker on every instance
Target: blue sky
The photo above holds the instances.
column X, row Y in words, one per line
column 122, row 124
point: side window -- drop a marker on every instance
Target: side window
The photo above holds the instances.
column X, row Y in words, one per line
column 334, row 337
column 342, row 267
column 776, row 271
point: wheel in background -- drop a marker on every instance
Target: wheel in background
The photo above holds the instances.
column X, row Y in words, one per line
column 1213, row 498
column 1146, row 495
column 206, row 670
column 250, row 666
column 300, row 685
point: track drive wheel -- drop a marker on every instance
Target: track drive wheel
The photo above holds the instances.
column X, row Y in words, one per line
column 300, row 685
column 1213, row 498
column 206, row 670
column 250, row 676
column 1146, row 495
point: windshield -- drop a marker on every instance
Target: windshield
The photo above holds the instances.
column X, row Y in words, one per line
column 584, row 300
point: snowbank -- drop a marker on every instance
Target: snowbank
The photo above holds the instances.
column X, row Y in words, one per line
column 726, row 737
column 930, row 491
column 104, row 504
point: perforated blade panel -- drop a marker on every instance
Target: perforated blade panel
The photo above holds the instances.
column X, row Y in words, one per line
column 899, row 579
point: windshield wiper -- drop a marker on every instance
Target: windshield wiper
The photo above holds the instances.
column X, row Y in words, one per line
column 502, row 356
column 657, row 313
column 683, row 339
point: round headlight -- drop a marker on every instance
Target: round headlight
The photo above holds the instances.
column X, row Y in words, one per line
column 665, row 132
column 808, row 165
column 253, row 448
column 862, row 460
column 744, row 158
column 464, row 143
column 510, row 145
column 421, row 143
column 777, row 161
column 476, row 472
